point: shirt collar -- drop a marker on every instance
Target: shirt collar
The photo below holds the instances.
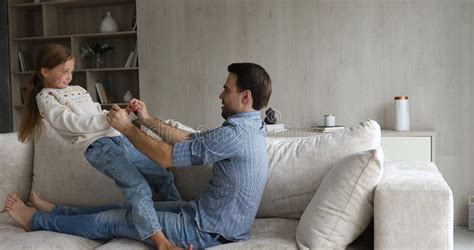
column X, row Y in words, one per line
column 250, row 115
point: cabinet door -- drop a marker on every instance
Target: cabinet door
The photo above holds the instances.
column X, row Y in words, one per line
column 407, row 148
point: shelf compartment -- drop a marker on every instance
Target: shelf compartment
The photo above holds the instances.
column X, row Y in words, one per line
column 115, row 58
column 117, row 83
column 26, row 21
column 80, row 18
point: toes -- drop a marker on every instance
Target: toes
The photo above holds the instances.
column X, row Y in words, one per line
column 10, row 196
column 8, row 200
column 13, row 195
column 15, row 198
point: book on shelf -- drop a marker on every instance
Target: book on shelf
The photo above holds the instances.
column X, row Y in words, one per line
column 132, row 60
column 108, row 93
column 133, row 27
column 128, row 63
column 326, row 129
column 21, row 61
column 101, row 93
column 135, row 59
column 275, row 127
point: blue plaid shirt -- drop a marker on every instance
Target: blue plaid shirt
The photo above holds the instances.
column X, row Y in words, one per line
column 238, row 151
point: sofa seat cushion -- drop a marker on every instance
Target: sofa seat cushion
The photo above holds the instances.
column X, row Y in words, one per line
column 124, row 244
column 14, row 237
column 271, row 233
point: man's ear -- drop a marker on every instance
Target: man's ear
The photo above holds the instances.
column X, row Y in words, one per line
column 247, row 96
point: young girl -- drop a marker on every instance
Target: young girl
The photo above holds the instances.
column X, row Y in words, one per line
column 79, row 120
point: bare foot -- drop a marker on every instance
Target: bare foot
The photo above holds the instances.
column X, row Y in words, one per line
column 18, row 211
column 40, row 204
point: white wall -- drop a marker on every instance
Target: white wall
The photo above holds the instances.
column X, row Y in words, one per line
column 349, row 58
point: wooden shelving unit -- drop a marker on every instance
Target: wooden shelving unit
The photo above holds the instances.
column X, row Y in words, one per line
column 72, row 23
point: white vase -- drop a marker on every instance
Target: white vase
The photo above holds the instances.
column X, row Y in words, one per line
column 402, row 117
column 128, row 96
column 108, row 24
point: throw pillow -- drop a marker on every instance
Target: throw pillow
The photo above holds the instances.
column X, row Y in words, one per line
column 343, row 204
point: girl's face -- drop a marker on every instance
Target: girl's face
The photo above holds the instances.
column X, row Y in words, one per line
column 58, row 77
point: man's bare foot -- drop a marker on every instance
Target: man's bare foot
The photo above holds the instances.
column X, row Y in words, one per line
column 40, row 204
column 18, row 211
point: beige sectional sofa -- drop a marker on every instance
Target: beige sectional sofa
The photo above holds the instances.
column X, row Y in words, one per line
column 410, row 206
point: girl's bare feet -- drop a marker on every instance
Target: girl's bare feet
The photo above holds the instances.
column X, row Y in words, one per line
column 18, row 211
column 40, row 204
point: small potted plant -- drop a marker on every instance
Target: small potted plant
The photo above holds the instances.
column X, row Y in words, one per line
column 95, row 51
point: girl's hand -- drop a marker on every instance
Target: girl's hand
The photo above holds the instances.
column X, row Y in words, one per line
column 139, row 108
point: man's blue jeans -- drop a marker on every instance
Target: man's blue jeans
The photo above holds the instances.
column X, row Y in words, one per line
column 106, row 222
column 134, row 174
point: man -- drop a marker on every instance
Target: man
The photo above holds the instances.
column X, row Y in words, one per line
column 223, row 213
column 228, row 207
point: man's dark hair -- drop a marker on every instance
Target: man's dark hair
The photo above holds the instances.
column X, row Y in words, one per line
column 253, row 77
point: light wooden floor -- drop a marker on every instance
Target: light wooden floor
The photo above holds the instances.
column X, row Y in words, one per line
column 463, row 238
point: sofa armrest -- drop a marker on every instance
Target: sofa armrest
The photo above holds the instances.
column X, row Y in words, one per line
column 16, row 164
column 413, row 208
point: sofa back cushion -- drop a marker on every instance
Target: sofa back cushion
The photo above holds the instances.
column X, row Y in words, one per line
column 62, row 175
column 298, row 165
column 16, row 161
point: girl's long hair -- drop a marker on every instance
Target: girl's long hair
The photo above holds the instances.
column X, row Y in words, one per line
column 48, row 57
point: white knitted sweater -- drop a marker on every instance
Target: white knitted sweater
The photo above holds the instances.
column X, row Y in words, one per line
column 73, row 114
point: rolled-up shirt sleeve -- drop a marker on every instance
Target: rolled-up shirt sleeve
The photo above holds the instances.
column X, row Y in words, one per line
column 207, row 147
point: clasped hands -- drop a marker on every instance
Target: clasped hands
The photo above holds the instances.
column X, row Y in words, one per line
column 119, row 118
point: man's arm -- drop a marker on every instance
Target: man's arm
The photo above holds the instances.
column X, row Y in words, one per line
column 166, row 132
column 159, row 151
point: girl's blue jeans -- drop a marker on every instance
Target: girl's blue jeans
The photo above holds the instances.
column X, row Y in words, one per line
column 106, row 222
column 135, row 174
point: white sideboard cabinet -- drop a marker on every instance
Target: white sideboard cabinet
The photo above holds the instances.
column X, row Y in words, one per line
column 414, row 145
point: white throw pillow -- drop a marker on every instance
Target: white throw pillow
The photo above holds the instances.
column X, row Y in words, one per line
column 343, row 204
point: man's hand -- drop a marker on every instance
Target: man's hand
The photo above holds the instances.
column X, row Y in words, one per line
column 139, row 108
column 118, row 118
